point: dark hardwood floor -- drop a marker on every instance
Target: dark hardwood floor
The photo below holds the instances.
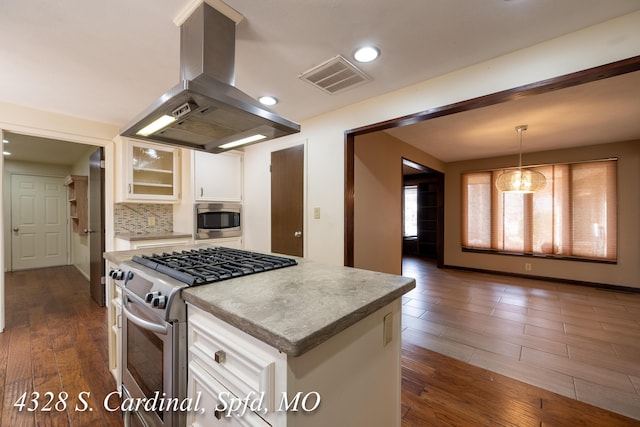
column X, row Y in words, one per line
column 440, row 391
column 55, row 344
column 56, row 341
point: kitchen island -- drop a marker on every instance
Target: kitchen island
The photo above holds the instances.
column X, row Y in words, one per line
column 306, row 345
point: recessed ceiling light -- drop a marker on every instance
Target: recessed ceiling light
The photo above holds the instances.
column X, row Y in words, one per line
column 6, row 153
column 366, row 54
column 6, row 141
column 268, row 100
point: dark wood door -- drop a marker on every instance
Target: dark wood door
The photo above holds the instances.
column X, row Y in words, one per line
column 287, row 201
column 96, row 227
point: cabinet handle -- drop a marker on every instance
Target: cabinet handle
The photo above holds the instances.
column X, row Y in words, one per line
column 220, row 356
column 201, row 191
column 129, row 188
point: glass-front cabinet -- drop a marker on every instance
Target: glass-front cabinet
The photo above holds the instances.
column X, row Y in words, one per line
column 152, row 172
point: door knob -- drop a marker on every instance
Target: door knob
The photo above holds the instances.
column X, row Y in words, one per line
column 298, row 234
column 16, row 229
column 88, row 230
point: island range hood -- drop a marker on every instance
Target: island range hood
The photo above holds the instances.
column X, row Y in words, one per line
column 205, row 111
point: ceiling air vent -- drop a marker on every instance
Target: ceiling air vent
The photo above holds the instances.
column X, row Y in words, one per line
column 334, row 75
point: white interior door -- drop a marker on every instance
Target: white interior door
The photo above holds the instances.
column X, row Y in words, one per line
column 38, row 222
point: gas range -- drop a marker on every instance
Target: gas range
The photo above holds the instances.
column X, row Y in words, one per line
column 208, row 265
column 154, row 331
column 156, row 280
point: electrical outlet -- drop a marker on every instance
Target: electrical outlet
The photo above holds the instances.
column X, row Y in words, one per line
column 151, row 221
column 527, row 266
column 316, row 213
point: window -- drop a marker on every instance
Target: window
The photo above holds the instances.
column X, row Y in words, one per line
column 574, row 216
column 410, row 210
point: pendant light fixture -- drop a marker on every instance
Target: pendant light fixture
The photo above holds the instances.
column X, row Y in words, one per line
column 521, row 180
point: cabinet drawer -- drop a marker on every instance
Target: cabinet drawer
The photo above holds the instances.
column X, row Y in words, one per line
column 230, row 358
column 209, row 391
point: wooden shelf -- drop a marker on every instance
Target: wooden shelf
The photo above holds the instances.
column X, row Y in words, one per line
column 77, row 198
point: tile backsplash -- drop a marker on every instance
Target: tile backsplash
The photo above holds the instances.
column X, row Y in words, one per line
column 134, row 218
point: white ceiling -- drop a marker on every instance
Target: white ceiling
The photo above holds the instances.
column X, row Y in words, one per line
column 44, row 150
column 107, row 61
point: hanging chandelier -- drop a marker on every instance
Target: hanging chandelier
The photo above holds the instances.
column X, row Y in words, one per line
column 521, row 180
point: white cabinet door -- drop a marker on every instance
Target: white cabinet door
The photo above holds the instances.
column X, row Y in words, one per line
column 148, row 172
column 217, row 177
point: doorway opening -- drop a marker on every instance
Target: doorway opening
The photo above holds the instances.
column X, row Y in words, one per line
column 47, row 213
column 423, row 212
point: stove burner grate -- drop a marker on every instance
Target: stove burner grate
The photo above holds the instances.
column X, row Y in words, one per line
column 208, row 265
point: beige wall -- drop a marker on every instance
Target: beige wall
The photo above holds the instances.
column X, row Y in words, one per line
column 625, row 273
column 378, row 199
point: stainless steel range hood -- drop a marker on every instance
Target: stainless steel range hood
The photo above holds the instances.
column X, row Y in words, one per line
column 205, row 111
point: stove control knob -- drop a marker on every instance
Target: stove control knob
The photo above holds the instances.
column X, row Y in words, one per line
column 117, row 274
column 159, row 302
column 129, row 275
column 151, row 295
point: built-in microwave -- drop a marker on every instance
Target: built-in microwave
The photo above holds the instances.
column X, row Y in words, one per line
column 217, row 220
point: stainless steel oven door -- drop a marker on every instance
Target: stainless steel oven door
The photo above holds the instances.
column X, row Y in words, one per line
column 217, row 220
column 153, row 363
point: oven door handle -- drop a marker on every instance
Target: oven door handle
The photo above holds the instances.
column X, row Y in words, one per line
column 145, row 324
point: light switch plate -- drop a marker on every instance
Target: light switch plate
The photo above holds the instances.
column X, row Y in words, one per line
column 316, row 213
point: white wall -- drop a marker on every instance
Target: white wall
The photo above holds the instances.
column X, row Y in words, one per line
column 598, row 45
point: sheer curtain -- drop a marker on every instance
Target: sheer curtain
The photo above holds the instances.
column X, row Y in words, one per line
column 574, row 216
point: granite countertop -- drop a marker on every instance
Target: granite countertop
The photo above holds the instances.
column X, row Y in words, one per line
column 152, row 236
column 296, row 308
